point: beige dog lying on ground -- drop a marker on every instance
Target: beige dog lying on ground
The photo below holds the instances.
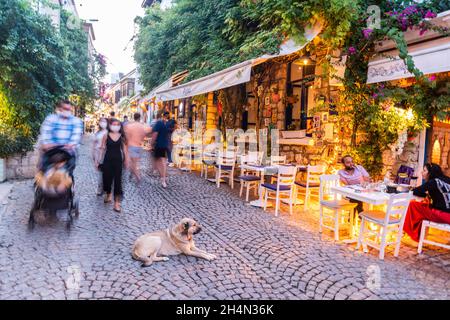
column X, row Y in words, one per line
column 152, row 247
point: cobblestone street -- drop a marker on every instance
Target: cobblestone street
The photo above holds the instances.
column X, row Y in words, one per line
column 259, row 256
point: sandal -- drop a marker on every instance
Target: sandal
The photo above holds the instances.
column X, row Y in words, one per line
column 107, row 198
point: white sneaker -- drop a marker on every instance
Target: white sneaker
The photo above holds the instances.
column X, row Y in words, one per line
column 171, row 165
column 164, row 185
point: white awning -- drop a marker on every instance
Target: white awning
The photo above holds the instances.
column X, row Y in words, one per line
column 430, row 60
column 430, row 53
column 234, row 75
column 163, row 86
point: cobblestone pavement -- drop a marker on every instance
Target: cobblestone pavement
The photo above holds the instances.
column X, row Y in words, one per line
column 259, row 256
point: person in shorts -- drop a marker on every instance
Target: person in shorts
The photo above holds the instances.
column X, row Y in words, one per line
column 135, row 133
column 160, row 140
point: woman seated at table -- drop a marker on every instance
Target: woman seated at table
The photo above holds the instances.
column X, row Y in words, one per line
column 353, row 174
column 436, row 187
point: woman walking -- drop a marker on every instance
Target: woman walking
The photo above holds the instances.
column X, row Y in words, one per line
column 97, row 152
column 116, row 157
column 437, row 188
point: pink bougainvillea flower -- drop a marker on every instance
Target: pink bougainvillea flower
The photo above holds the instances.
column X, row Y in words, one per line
column 430, row 15
column 367, row 33
column 351, row 51
column 375, row 95
column 432, row 77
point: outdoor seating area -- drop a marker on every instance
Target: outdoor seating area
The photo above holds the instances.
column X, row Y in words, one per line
column 273, row 182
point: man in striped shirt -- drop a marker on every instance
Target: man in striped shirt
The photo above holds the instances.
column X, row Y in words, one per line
column 61, row 129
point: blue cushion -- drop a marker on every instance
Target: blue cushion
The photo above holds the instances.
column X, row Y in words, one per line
column 224, row 168
column 311, row 185
column 274, row 187
column 249, row 178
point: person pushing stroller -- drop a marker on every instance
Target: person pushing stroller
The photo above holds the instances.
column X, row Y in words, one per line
column 60, row 137
column 61, row 130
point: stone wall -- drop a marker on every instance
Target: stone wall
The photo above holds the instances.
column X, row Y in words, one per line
column 409, row 157
column 22, row 166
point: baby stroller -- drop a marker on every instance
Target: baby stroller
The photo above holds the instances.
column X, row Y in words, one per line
column 55, row 186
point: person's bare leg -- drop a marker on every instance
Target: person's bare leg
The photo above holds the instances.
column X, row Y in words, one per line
column 162, row 169
column 134, row 168
column 117, row 207
column 154, row 165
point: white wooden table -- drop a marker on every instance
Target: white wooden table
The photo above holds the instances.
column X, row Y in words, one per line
column 356, row 193
column 353, row 192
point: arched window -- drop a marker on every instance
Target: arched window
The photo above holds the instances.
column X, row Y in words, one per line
column 436, row 152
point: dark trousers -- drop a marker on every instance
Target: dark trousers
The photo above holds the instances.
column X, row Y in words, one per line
column 112, row 173
column 359, row 208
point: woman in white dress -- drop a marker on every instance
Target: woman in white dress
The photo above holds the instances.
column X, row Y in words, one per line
column 97, row 152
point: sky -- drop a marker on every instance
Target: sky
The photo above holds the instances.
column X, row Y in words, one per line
column 114, row 30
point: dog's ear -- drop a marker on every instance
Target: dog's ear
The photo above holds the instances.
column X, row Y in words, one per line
column 186, row 227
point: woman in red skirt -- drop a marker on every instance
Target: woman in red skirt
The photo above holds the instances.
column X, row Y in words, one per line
column 437, row 188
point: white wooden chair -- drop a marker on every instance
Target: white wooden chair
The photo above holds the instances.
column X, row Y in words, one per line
column 426, row 225
column 208, row 162
column 333, row 209
column 225, row 165
column 283, row 189
column 185, row 159
column 277, row 160
column 311, row 184
column 250, row 179
column 390, row 221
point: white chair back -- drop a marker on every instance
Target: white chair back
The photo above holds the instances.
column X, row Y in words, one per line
column 327, row 181
column 286, row 175
column 314, row 173
column 227, row 158
column 277, row 160
column 397, row 207
column 252, row 157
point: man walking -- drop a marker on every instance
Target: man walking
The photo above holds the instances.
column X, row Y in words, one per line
column 62, row 129
column 160, row 140
column 135, row 133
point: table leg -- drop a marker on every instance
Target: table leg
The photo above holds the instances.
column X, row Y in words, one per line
column 260, row 202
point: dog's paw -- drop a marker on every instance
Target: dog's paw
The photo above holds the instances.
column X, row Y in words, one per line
column 212, row 257
column 165, row 259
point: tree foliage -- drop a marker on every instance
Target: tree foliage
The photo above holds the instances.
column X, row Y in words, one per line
column 38, row 66
column 206, row 36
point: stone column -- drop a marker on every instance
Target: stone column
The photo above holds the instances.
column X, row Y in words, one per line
column 211, row 113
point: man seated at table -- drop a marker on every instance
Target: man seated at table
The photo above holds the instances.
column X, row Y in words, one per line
column 353, row 174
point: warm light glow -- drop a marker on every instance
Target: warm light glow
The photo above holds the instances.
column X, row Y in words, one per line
column 436, row 152
column 409, row 114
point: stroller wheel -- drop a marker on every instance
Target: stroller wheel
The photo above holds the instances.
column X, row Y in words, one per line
column 76, row 209
column 31, row 224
